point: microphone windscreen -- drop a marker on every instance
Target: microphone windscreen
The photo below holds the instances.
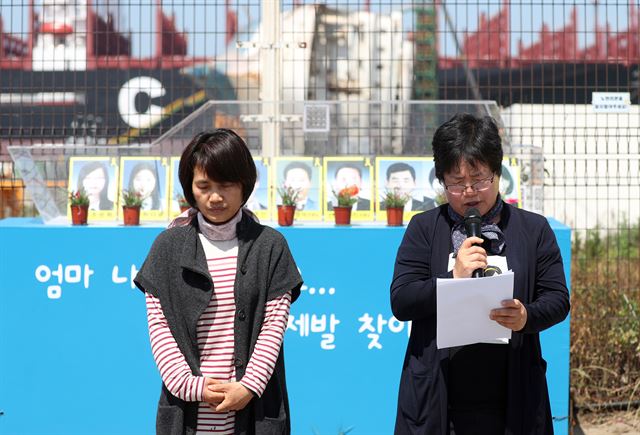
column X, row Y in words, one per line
column 473, row 222
column 472, row 213
column 473, row 226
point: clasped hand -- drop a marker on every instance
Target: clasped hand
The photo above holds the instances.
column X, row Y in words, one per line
column 229, row 396
column 471, row 256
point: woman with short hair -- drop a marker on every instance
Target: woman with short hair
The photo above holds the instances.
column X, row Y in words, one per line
column 218, row 287
column 480, row 388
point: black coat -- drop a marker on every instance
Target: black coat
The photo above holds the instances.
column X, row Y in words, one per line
column 539, row 282
column 175, row 271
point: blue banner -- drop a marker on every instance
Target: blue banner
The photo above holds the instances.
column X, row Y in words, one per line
column 74, row 343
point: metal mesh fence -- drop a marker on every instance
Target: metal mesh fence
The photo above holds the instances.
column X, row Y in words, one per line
column 106, row 73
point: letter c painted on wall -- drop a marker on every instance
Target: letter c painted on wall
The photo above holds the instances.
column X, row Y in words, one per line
column 127, row 101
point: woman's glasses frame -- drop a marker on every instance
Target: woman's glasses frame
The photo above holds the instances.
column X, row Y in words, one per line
column 478, row 186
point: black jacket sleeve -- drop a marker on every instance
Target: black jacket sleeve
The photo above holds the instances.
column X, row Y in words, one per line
column 551, row 298
column 283, row 272
column 413, row 288
column 151, row 273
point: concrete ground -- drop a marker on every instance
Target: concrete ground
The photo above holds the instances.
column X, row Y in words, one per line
column 617, row 423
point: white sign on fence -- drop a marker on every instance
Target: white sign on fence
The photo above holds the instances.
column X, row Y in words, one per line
column 611, row 102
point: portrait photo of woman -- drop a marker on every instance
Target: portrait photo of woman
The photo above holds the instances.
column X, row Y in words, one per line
column 97, row 177
column 144, row 180
column 148, row 176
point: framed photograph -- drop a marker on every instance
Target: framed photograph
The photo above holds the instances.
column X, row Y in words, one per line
column 176, row 195
column 343, row 172
column 259, row 202
column 510, row 182
column 98, row 176
column 409, row 176
column 304, row 175
column 149, row 177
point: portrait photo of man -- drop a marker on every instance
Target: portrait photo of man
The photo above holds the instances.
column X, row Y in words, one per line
column 303, row 175
column 297, row 175
column 401, row 178
column 345, row 175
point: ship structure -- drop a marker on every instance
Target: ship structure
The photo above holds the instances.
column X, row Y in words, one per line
column 554, row 69
column 73, row 79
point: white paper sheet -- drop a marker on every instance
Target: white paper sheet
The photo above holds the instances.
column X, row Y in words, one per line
column 463, row 307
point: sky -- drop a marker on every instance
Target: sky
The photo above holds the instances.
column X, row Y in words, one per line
column 204, row 21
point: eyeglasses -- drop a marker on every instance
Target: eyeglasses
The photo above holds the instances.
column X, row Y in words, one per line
column 478, row 186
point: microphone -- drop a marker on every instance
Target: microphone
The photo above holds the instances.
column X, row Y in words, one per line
column 472, row 224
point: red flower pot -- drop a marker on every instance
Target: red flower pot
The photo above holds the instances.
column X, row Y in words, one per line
column 131, row 215
column 394, row 216
column 184, row 208
column 79, row 214
column 286, row 214
column 342, row 215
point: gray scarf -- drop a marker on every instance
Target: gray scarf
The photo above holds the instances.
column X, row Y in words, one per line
column 490, row 231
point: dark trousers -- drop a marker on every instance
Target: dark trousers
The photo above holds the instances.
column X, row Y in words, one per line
column 483, row 422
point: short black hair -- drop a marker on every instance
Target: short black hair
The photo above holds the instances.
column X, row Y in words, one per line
column 297, row 165
column 469, row 138
column 223, row 156
column 348, row 166
column 400, row 167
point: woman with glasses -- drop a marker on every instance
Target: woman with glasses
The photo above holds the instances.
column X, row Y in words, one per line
column 482, row 388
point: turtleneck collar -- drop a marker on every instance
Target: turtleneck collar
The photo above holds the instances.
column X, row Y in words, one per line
column 188, row 215
column 225, row 231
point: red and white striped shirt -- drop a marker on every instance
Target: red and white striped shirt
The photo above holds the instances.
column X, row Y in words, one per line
column 216, row 341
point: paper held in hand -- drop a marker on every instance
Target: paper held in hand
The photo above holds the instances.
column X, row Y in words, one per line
column 463, row 307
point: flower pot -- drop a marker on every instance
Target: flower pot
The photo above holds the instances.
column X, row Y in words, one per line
column 184, row 208
column 131, row 215
column 394, row 216
column 342, row 215
column 79, row 214
column 285, row 215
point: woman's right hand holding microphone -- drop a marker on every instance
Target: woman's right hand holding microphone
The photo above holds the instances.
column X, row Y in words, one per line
column 471, row 256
